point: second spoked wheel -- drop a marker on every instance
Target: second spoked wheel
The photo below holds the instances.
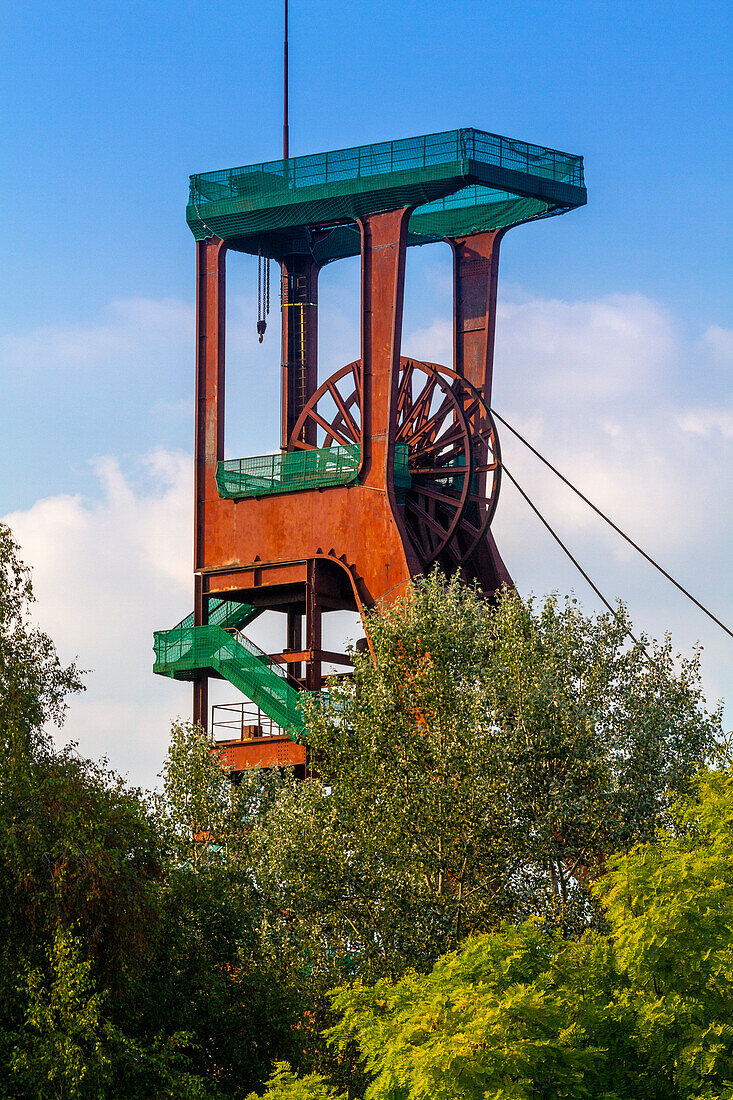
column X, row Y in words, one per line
column 451, row 445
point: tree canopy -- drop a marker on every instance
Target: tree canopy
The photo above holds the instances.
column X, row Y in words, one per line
column 470, row 784
column 34, row 685
column 127, row 969
column 483, row 762
column 520, row 1013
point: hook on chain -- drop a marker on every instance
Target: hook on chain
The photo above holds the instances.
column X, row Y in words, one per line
column 263, row 300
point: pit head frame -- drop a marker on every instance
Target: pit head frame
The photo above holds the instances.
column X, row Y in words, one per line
column 392, row 464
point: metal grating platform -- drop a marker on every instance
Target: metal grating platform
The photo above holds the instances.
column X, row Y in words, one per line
column 460, row 182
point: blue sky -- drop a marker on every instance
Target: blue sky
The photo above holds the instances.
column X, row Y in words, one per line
column 614, row 344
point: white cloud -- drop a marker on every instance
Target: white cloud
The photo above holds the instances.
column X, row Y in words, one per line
column 708, row 421
column 106, row 573
column 135, row 330
column 719, row 341
column 616, row 346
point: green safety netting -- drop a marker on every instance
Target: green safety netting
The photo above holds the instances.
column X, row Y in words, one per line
column 460, row 181
column 294, row 471
column 184, row 650
column 225, row 613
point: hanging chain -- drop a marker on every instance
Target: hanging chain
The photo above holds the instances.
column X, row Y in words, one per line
column 263, row 305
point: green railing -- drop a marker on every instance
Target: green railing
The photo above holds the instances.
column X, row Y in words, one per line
column 225, row 613
column 295, row 471
column 263, row 181
column 183, row 650
column 289, row 472
column 458, row 182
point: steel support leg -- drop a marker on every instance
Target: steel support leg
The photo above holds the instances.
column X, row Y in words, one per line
column 475, row 281
column 383, row 250
column 209, row 442
column 475, row 284
column 295, row 639
column 313, row 633
column 201, row 683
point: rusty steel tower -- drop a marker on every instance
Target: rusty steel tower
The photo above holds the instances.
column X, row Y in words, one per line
column 387, row 467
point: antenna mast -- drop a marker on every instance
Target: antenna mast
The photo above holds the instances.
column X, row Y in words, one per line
column 286, row 128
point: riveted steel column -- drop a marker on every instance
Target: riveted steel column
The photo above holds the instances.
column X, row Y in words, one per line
column 209, row 441
column 475, row 281
column 383, row 249
column 313, row 633
column 475, row 285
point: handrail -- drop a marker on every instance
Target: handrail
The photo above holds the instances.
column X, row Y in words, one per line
column 380, row 158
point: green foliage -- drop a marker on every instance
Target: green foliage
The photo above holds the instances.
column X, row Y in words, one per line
column 489, row 1021
column 483, row 764
column 62, row 1048
column 123, row 952
column 128, row 961
column 286, row 1085
column 480, row 768
column 524, row 1013
column 33, row 683
column 670, row 906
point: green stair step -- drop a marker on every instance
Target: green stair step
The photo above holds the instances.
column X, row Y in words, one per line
column 187, row 648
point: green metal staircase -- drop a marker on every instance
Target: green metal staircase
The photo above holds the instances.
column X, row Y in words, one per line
column 220, row 648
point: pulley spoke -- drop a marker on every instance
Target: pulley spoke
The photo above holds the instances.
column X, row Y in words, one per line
column 435, row 494
column 418, row 406
column 434, row 423
column 432, row 523
column 453, row 455
column 331, row 431
column 404, row 393
column 347, row 419
column 438, row 471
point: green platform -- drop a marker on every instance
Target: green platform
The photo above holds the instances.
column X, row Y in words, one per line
column 460, row 181
column 296, row 471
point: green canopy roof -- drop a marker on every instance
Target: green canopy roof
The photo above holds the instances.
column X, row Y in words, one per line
column 460, row 182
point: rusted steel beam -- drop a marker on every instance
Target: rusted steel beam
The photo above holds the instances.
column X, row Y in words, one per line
column 475, row 293
column 209, row 439
column 290, row 657
column 259, row 752
column 475, row 284
column 294, row 639
column 383, row 252
column 313, row 629
column 201, row 682
column 210, row 335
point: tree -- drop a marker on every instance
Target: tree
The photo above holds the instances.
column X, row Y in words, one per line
column 670, row 907
column 216, row 975
column 127, row 966
column 286, row 1085
column 531, row 1015
column 33, row 683
column 483, row 762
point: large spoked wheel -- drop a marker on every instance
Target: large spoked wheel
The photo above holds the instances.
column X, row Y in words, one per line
column 452, row 452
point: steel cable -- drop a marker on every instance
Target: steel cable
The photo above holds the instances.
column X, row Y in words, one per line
column 610, row 523
column 577, row 565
